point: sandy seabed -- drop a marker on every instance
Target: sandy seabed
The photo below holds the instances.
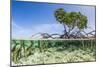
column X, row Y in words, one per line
column 55, row 55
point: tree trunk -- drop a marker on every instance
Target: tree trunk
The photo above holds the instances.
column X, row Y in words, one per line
column 65, row 31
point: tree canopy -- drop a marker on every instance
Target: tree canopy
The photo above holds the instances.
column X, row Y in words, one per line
column 71, row 19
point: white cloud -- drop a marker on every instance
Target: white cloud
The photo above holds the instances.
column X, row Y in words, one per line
column 47, row 28
column 20, row 32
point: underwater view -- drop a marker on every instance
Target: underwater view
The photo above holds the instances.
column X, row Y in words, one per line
column 28, row 52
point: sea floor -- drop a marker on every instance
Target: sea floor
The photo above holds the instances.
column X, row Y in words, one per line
column 58, row 55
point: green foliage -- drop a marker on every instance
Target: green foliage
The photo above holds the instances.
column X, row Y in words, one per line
column 60, row 15
column 71, row 19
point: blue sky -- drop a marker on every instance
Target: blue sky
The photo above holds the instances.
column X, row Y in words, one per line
column 29, row 18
